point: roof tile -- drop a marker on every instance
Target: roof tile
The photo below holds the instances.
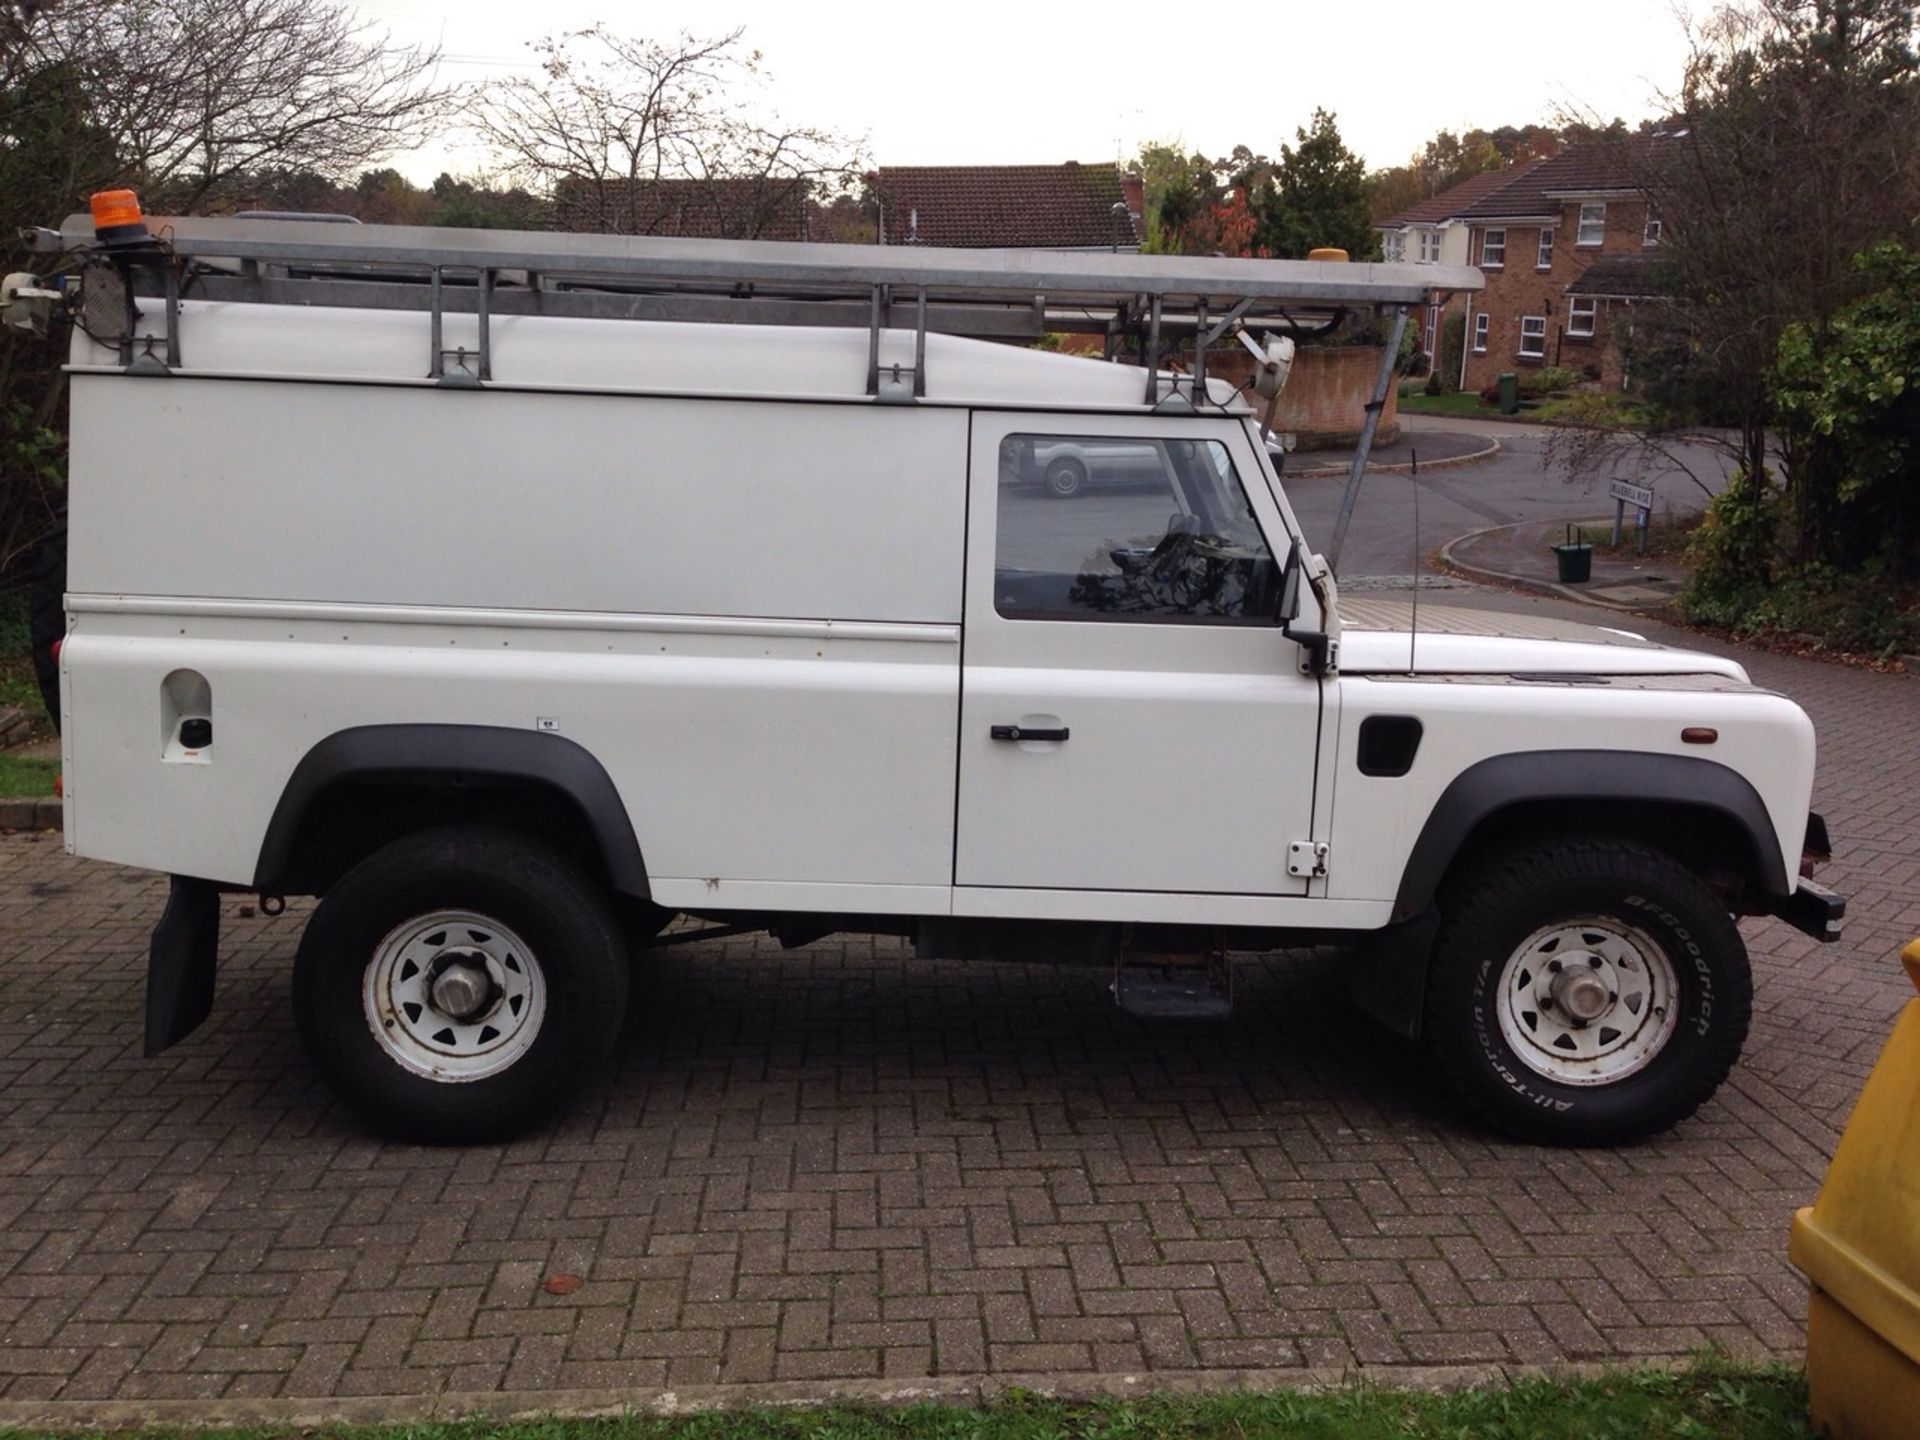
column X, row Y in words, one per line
column 1456, row 198
column 1598, row 166
column 1040, row 207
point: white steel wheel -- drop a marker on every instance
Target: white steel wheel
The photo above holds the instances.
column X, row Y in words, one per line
column 454, row 996
column 459, row 984
column 1588, row 1001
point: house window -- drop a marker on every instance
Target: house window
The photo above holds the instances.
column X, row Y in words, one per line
column 1533, row 336
column 1427, row 332
column 1429, row 247
column 1580, row 314
column 1593, row 223
column 1395, row 247
column 1544, row 260
column 1651, row 234
column 1493, row 249
column 1480, row 333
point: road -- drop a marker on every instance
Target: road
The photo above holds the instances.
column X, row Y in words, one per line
column 1502, row 490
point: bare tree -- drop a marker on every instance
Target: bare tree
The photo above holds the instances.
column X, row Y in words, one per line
column 636, row 136
column 195, row 92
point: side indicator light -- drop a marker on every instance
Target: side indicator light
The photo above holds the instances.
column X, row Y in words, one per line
column 1699, row 735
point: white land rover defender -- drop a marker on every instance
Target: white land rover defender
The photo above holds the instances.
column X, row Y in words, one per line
column 516, row 593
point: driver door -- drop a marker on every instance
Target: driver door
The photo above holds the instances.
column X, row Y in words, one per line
column 1132, row 718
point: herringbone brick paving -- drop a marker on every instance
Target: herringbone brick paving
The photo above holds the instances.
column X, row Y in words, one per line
column 843, row 1162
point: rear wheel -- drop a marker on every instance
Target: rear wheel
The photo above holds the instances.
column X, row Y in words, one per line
column 47, row 614
column 459, row 985
column 1586, row 992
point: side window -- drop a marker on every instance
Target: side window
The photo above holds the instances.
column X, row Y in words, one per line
column 1104, row 528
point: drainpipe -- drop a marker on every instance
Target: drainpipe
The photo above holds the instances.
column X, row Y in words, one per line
column 1466, row 342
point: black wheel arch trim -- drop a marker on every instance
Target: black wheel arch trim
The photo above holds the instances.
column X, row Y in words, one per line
column 1483, row 790
column 413, row 752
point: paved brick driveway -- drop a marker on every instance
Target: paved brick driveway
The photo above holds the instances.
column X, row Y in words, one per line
column 840, row 1162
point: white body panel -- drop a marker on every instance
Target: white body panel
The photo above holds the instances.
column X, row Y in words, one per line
column 1190, row 762
column 1763, row 737
column 766, row 605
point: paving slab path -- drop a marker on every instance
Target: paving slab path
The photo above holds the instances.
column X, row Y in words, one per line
column 840, row 1164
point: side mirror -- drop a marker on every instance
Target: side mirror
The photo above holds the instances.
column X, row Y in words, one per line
column 1314, row 642
column 1291, row 575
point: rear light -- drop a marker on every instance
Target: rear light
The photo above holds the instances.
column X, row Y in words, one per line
column 53, row 650
column 116, row 217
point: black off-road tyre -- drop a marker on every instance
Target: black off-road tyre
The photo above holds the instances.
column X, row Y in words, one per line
column 540, row 917
column 1509, row 898
column 47, row 613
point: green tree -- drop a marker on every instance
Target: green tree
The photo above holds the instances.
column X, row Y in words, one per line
column 1178, row 188
column 1317, row 197
column 1848, row 400
column 1439, row 165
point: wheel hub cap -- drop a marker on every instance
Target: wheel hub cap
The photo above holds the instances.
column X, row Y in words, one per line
column 462, row 989
column 1580, row 993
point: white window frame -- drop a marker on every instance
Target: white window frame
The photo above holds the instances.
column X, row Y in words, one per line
column 1481, row 323
column 1394, row 245
column 1579, row 308
column 1598, row 222
column 1499, row 247
column 1429, row 247
column 1650, row 233
column 1540, row 335
column 1430, row 332
column 1543, row 257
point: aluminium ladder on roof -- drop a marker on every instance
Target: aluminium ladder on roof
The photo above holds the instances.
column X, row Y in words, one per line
column 1007, row 293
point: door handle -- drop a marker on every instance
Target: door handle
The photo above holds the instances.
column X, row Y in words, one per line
column 1019, row 732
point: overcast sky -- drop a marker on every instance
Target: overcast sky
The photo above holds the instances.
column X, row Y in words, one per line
column 1002, row 83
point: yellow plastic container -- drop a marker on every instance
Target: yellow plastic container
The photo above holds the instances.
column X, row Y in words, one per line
column 1859, row 1243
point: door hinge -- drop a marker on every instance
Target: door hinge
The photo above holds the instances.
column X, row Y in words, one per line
column 1307, row 859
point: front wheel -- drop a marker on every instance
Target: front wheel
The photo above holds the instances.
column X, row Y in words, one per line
column 1586, row 993
column 459, row 985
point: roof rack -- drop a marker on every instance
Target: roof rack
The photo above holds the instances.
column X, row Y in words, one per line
column 1007, row 294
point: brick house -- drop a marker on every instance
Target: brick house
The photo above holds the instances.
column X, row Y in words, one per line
column 1432, row 233
column 1567, row 247
column 1039, row 207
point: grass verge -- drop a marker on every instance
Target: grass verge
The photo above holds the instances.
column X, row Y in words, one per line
column 21, row 776
column 1715, row 1401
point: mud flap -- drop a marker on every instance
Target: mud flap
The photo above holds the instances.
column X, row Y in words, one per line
column 180, row 963
column 1388, row 978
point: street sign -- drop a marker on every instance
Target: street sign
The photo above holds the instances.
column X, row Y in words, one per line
column 1638, row 496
